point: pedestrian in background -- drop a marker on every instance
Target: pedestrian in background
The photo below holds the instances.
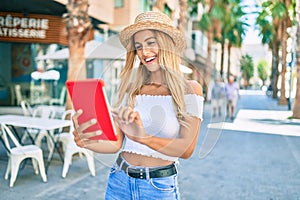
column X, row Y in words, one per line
column 232, row 95
column 157, row 115
column 218, row 96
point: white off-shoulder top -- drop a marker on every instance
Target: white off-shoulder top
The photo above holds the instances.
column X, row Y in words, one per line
column 159, row 119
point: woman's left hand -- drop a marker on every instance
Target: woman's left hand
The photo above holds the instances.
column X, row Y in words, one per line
column 130, row 123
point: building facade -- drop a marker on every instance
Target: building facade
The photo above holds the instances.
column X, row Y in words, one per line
column 33, row 28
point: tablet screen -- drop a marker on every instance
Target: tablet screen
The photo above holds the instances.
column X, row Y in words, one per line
column 89, row 95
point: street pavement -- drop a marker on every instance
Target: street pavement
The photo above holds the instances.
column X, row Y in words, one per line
column 256, row 156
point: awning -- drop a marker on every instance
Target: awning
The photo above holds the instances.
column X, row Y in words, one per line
column 48, row 75
column 93, row 50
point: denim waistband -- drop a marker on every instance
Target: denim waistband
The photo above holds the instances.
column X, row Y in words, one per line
column 145, row 172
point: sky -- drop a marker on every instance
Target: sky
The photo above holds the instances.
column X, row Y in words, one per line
column 252, row 34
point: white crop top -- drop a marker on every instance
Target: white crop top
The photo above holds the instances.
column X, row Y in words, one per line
column 159, row 119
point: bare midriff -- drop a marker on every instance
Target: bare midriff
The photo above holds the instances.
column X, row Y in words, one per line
column 145, row 161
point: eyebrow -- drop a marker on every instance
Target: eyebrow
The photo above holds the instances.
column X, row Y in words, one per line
column 152, row 37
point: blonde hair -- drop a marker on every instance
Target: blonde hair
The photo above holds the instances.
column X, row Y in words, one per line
column 169, row 61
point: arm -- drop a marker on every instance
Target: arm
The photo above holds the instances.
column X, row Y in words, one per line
column 184, row 145
column 99, row 146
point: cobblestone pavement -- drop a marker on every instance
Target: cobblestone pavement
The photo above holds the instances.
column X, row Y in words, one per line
column 254, row 157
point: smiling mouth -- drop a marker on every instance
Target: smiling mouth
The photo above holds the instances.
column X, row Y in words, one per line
column 148, row 60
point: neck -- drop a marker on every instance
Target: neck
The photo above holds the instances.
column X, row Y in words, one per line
column 157, row 78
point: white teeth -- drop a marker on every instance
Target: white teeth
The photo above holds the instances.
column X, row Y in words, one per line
column 149, row 59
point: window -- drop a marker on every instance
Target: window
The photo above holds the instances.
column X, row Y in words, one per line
column 143, row 5
column 119, row 3
column 167, row 10
column 199, row 42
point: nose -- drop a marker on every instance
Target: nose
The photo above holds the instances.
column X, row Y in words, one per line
column 145, row 50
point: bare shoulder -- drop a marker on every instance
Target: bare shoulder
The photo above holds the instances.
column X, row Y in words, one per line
column 194, row 87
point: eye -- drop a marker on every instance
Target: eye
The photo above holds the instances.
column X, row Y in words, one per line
column 138, row 47
column 151, row 43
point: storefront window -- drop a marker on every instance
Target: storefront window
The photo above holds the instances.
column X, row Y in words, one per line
column 22, row 62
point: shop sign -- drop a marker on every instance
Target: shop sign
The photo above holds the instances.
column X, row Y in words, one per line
column 16, row 27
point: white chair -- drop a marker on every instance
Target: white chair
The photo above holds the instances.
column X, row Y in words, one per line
column 38, row 94
column 38, row 135
column 61, row 100
column 27, row 111
column 44, row 112
column 18, row 153
column 18, row 94
column 26, row 108
column 70, row 148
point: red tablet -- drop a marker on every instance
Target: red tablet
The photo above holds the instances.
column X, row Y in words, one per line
column 89, row 95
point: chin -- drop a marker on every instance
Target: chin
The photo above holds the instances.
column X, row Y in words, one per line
column 152, row 67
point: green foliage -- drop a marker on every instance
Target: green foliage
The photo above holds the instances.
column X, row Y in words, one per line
column 234, row 22
column 271, row 11
column 218, row 12
column 262, row 69
column 265, row 30
column 205, row 22
column 193, row 7
column 231, row 18
column 247, row 66
column 279, row 10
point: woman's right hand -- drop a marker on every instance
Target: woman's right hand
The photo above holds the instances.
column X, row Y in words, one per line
column 82, row 139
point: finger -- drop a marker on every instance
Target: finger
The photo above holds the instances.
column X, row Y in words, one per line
column 77, row 140
column 75, row 118
column 86, row 125
column 82, row 140
column 133, row 116
column 80, row 144
column 90, row 134
column 127, row 113
column 114, row 115
column 114, row 110
column 75, row 133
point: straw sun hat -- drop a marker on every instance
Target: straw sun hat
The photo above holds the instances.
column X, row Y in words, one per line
column 155, row 21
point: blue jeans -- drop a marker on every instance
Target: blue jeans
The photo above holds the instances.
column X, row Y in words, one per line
column 120, row 186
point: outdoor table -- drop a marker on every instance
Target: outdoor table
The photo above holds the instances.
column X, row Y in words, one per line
column 39, row 124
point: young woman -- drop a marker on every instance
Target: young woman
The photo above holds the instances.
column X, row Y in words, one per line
column 157, row 115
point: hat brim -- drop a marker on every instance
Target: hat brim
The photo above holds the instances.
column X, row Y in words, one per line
column 174, row 33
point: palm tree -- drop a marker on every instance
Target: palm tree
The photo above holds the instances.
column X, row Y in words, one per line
column 78, row 26
column 182, row 15
column 296, row 107
column 262, row 70
column 223, row 23
column 247, row 68
column 210, row 23
column 235, row 30
column 269, row 22
column 286, row 22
